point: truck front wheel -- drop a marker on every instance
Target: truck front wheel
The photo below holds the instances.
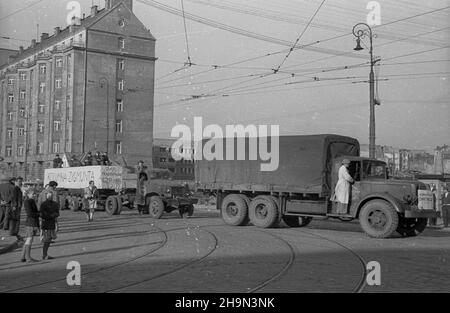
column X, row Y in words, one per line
column 409, row 227
column 155, row 207
column 378, row 219
column 234, row 210
column 111, row 205
column 264, row 212
column 297, row 221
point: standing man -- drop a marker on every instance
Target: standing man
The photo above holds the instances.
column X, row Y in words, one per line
column 50, row 188
column 57, row 162
column 343, row 187
column 90, row 200
column 141, row 191
column 14, row 220
column 6, row 201
column 446, row 206
column 49, row 213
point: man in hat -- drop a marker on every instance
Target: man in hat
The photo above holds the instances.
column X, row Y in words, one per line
column 14, row 220
column 50, row 188
column 343, row 187
column 446, row 206
column 57, row 162
column 6, row 201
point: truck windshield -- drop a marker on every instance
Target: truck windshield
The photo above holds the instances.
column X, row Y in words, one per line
column 373, row 169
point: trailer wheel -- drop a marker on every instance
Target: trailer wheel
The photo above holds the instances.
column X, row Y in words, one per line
column 234, row 210
column 297, row 221
column 410, row 227
column 378, row 219
column 264, row 212
column 156, row 207
column 111, row 205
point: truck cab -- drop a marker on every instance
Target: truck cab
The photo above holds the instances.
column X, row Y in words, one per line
column 374, row 195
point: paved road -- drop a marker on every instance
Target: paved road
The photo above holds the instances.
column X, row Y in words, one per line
column 128, row 253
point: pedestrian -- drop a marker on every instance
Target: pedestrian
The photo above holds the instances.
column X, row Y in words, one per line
column 49, row 212
column 90, row 200
column 141, row 167
column 6, row 201
column 32, row 225
column 14, row 219
column 49, row 188
column 141, row 191
column 446, row 206
column 57, row 162
column 343, row 188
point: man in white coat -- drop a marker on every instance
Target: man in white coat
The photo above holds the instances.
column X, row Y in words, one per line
column 342, row 189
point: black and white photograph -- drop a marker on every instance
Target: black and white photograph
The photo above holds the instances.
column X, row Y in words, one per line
column 224, row 154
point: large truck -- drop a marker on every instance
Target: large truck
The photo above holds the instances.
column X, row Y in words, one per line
column 118, row 190
column 302, row 186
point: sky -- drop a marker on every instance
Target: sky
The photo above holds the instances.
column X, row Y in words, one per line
column 320, row 88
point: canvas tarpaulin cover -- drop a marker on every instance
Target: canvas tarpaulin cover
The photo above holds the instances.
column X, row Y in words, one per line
column 304, row 165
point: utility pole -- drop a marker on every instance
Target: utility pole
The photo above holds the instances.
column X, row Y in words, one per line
column 359, row 31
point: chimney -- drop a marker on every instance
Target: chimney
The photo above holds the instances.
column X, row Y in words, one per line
column 57, row 30
column 44, row 36
column 33, row 43
column 108, row 4
column 94, row 10
column 111, row 3
column 20, row 49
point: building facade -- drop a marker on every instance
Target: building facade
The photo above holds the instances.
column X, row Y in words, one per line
column 163, row 158
column 87, row 87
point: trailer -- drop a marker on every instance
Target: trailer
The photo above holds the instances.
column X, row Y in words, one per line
column 302, row 186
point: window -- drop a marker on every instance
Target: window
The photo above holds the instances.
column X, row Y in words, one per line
column 22, row 95
column 20, row 150
column 118, row 126
column 10, row 81
column 58, row 83
column 22, row 112
column 56, row 126
column 121, row 64
column 8, row 151
column 40, row 127
column 162, row 160
column 42, row 87
column 10, row 98
column 55, row 147
column 41, row 108
column 119, row 105
column 10, row 116
column 122, row 23
column 59, row 62
column 57, row 105
column 20, row 131
column 69, row 78
column 39, row 148
column 23, row 76
column 121, row 43
column 120, row 84
column 118, row 147
column 9, row 133
column 42, row 69
column 69, row 61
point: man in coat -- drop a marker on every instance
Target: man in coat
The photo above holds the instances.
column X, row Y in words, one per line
column 343, row 188
column 90, row 200
column 446, row 206
column 14, row 220
column 50, row 188
column 6, row 201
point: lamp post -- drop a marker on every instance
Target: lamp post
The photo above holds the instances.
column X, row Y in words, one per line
column 360, row 31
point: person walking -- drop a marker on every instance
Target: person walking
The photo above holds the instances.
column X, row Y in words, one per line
column 14, row 219
column 90, row 200
column 49, row 212
column 343, row 188
column 31, row 224
column 446, row 206
column 141, row 191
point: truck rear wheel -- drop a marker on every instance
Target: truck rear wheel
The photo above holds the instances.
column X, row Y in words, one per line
column 156, row 207
column 264, row 212
column 378, row 219
column 235, row 210
column 119, row 206
column 111, row 205
column 297, row 221
column 409, row 227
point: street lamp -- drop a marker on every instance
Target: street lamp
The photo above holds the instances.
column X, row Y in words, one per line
column 360, row 31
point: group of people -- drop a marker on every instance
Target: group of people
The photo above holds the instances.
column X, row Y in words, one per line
column 99, row 158
column 41, row 215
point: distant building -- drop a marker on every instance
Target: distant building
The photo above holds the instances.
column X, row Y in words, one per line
column 87, row 87
column 163, row 158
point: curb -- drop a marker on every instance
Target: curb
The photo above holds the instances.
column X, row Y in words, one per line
column 10, row 247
